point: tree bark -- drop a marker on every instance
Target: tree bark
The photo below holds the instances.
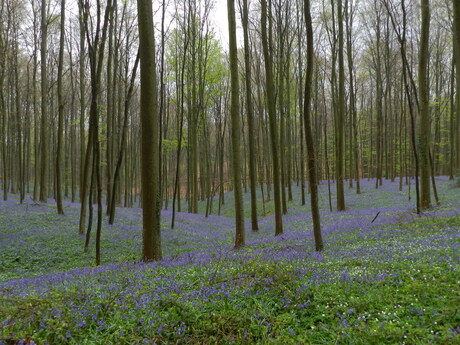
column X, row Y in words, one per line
column 151, row 249
column 116, row 175
column 424, row 134
column 272, row 119
column 235, row 128
column 250, row 115
column 457, row 64
column 308, row 132
column 60, row 209
column 44, row 108
column 340, row 116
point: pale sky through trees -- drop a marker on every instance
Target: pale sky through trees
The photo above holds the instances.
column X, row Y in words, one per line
column 218, row 18
column 220, row 22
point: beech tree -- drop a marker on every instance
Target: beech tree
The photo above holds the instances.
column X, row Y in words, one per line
column 44, row 107
column 235, row 129
column 250, row 115
column 456, row 44
column 59, row 148
column 340, row 124
column 270, row 86
column 424, row 98
column 151, row 248
column 308, row 132
column 96, row 45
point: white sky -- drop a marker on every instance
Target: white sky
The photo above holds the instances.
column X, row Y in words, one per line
column 219, row 19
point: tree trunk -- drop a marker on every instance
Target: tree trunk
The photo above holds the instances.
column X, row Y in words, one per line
column 457, row 64
column 272, row 119
column 60, row 209
column 424, row 134
column 235, row 128
column 44, row 109
column 340, row 116
column 308, row 132
column 250, row 114
column 116, row 175
column 151, row 249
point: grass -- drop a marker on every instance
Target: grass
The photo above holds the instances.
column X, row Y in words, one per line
column 394, row 281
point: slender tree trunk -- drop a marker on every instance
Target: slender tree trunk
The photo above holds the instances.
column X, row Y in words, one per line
column 110, row 111
column 340, row 116
column 17, row 125
column 302, row 165
column 452, row 116
column 90, row 207
column 250, row 115
column 85, row 156
column 162, row 113
column 84, row 186
column 354, row 147
column 35, row 109
column 116, row 175
column 272, row 119
column 379, row 100
column 97, row 158
column 60, row 209
column 96, row 47
column 409, row 85
column 433, row 182
column 235, row 128
column 44, row 108
column 457, row 64
column 424, row 134
column 281, row 110
column 308, row 132
column 81, row 66
column 151, row 249
column 181, row 91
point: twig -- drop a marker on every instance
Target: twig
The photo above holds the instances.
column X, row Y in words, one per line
column 375, row 217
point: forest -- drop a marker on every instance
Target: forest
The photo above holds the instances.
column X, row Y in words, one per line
column 229, row 172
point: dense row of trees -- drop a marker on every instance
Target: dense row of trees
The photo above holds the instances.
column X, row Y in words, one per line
column 364, row 89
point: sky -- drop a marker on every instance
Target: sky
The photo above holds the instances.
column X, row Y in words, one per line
column 219, row 19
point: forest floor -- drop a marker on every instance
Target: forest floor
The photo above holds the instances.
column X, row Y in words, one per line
column 392, row 281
